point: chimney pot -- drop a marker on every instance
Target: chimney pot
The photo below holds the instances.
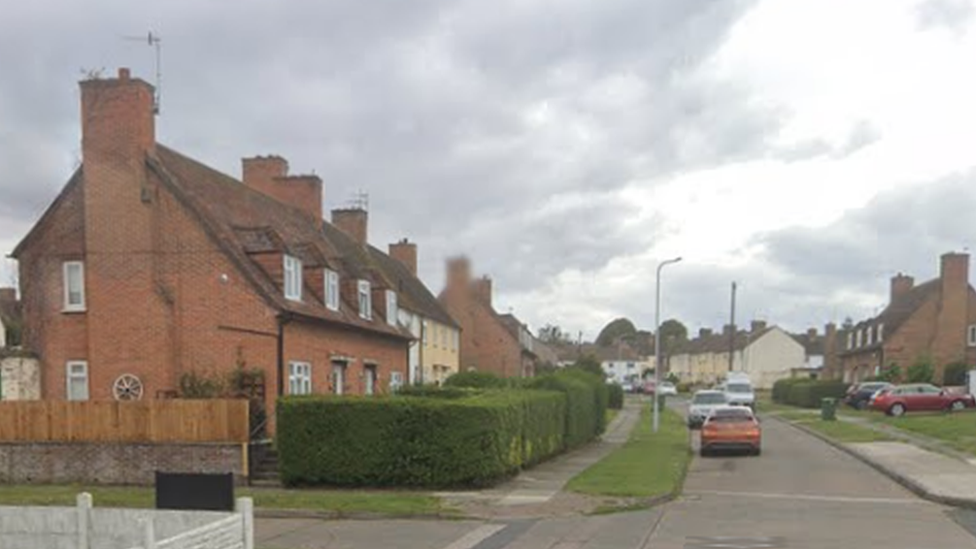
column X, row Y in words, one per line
column 405, row 252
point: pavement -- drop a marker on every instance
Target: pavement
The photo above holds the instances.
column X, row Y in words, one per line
column 802, row 493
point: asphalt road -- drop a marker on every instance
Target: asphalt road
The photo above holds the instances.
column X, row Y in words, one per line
column 800, row 494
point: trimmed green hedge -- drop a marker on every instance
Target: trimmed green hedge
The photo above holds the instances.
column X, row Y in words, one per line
column 616, row 401
column 433, row 391
column 807, row 393
column 587, row 397
column 417, row 441
column 476, row 380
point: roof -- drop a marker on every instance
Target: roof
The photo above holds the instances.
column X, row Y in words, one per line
column 244, row 221
column 813, row 346
column 514, row 326
column 719, row 342
column 896, row 313
column 414, row 295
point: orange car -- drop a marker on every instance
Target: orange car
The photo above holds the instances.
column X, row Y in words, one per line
column 731, row 428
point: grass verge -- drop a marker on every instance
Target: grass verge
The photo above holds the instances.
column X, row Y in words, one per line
column 343, row 501
column 647, row 465
column 957, row 430
column 842, row 431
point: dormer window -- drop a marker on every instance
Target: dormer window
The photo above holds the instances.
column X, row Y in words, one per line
column 293, row 278
column 880, row 332
column 331, row 290
column 869, row 336
column 859, row 338
column 391, row 307
column 365, row 302
column 850, row 340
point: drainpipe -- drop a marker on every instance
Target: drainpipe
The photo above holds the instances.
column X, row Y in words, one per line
column 282, row 320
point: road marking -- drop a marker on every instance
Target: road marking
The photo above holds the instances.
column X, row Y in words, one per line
column 476, row 536
column 838, row 499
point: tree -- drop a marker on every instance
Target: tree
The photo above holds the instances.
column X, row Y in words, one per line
column 620, row 328
column 551, row 333
column 891, row 374
column 674, row 335
column 589, row 363
column 954, row 374
column 922, row 371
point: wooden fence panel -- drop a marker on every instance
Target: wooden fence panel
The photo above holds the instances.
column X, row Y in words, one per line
column 171, row 420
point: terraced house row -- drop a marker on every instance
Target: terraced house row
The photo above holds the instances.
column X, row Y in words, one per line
column 150, row 266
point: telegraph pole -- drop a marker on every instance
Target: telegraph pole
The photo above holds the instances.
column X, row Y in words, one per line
column 732, row 330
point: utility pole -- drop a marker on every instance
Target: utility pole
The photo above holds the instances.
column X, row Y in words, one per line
column 657, row 339
column 732, row 330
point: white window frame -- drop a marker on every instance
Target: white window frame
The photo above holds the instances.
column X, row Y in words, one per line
column 331, row 290
column 425, row 326
column 880, row 332
column 293, row 277
column 396, row 381
column 70, row 375
column 869, row 336
column 338, row 378
column 66, row 280
column 299, row 378
column 971, row 339
column 370, row 374
column 859, row 338
column 850, row 340
column 391, row 308
column 365, row 299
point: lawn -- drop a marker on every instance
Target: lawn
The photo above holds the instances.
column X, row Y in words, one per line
column 841, row 431
column 957, row 430
column 647, row 465
column 344, row 501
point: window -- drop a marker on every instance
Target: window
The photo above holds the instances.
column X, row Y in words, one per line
column 293, row 278
column 423, row 331
column 332, row 290
column 74, row 286
column 880, row 332
column 391, row 308
column 370, row 379
column 396, row 381
column 77, row 378
column 972, row 335
column 869, row 335
column 365, row 302
column 299, row 378
column 859, row 339
column 338, row 377
column 850, row 340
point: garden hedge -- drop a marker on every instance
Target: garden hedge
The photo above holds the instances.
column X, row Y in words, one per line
column 417, row 441
column 476, row 380
column 587, row 397
column 807, row 393
column 616, row 393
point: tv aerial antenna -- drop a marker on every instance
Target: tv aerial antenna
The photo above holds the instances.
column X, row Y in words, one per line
column 156, row 42
column 360, row 200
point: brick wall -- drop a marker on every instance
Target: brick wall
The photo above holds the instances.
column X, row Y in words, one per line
column 114, row 463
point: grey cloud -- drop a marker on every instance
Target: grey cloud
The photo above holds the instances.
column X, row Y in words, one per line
column 954, row 15
column 861, row 135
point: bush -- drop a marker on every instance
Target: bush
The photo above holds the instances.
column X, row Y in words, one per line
column 417, row 441
column 476, row 380
column 587, row 397
column 955, row 374
column 781, row 389
column 808, row 393
column 200, row 386
column 616, row 399
column 921, row 372
column 433, row 391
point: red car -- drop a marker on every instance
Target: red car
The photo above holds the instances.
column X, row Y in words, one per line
column 897, row 400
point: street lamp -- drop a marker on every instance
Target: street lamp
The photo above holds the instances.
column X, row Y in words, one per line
column 657, row 339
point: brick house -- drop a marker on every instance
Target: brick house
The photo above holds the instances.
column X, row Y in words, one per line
column 490, row 342
column 935, row 320
column 150, row 265
column 10, row 318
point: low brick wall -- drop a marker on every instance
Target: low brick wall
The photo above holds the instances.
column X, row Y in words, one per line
column 115, row 463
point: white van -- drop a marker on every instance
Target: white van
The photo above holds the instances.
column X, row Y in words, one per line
column 738, row 389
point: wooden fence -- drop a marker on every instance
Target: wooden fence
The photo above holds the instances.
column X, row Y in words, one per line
column 171, row 420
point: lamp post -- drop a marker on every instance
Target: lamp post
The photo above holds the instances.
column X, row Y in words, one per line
column 657, row 339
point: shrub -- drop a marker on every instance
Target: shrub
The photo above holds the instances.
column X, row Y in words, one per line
column 194, row 385
column 781, row 389
column 475, row 379
column 433, row 391
column 808, row 393
column 921, row 372
column 955, row 374
column 587, row 397
column 417, row 441
column 616, row 393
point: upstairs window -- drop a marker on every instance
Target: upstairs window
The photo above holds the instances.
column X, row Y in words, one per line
column 880, row 332
column 972, row 335
column 74, row 286
column 869, row 336
column 365, row 301
column 423, row 331
column 391, row 308
column 850, row 340
column 332, row 290
column 293, row 278
column 859, row 338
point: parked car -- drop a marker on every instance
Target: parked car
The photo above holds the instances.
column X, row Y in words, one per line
column 648, row 388
column 731, row 428
column 668, row 388
column 702, row 404
column 739, row 392
column 628, row 387
column 916, row 397
column 859, row 395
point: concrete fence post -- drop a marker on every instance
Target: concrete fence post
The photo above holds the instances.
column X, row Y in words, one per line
column 245, row 506
column 148, row 534
column 83, row 506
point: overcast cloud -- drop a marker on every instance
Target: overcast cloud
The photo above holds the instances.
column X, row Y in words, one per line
column 566, row 146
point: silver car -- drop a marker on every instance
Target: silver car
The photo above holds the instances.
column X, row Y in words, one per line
column 703, row 403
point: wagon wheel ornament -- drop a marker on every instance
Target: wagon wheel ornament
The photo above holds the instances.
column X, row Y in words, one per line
column 127, row 387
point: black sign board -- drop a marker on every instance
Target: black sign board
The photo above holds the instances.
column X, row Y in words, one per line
column 195, row 491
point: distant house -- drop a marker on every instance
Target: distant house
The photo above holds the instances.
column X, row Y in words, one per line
column 766, row 353
column 814, row 347
column 934, row 321
column 10, row 318
column 150, row 266
column 490, row 342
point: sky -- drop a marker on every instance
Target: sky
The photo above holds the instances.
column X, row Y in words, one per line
column 807, row 151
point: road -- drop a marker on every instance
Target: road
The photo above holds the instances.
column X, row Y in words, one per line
column 800, row 494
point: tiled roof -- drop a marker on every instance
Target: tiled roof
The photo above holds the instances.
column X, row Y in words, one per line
column 719, row 342
column 514, row 326
column 813, row 346
column 243, row 220
column 414, row 296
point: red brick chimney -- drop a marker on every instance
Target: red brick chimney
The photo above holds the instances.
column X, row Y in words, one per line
column 482, row 290
column 269, row 175
column 954, row 270
column 900, row 285
column 405, row 252
column 353, row 222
